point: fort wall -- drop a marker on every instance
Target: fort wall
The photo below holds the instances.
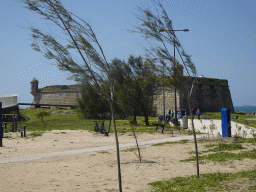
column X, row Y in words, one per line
column 56, row 94
column 208, row 94
column 57, row 98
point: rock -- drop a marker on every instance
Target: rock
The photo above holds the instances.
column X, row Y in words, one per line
column 68, row 113
column 61, row 112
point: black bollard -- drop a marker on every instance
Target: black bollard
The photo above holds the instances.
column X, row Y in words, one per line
column 21, row 133
column 5, row 124
column 1, row 136
column 12, row 124
column 24, row 131
column 15, row 124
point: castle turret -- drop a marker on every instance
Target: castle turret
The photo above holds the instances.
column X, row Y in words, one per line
column 33, row 86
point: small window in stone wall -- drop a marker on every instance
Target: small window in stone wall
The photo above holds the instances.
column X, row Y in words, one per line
column 64, row 87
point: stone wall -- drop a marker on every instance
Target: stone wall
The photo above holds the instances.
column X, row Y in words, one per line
column 57, row 98
column 57, row 95
column 169, row 100
column 208, row 94
column 58, row 88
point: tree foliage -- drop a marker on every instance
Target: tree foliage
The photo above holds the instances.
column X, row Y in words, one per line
column 144, row 84
column 75, row 38
column 158, row 27
column 91, row 105
column 135, row 86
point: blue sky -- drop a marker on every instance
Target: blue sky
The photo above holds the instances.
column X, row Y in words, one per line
column 221, row 40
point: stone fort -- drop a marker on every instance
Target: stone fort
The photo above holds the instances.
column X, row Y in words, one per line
column 209, row 94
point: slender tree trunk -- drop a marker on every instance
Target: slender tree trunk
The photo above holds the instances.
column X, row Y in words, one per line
column 194, row 139
column 43, row 120
column 136, row 143
column 192, row 120
column 146, row 119
column 135, row 137
column 117, row 143
column 135, row 119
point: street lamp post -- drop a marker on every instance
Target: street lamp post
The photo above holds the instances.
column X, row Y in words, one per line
column 163, row 94
column 175, row 99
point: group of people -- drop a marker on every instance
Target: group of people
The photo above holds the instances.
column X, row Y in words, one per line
column 183, row 113
column 180, row 113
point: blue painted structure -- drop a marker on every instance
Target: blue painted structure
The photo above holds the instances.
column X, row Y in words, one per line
column 1, row 126
column 225, row 122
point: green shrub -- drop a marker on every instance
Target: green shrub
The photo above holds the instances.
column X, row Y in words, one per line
column 42, row 114
column 223, row 85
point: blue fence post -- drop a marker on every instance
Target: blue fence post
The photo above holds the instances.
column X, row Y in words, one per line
column 225, row 121
column 1, row 126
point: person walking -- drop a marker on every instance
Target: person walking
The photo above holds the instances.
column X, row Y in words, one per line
column 180, row 115
column 198, row 112
column 182, row 112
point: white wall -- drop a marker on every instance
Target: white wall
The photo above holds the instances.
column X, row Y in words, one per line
column 8, row 100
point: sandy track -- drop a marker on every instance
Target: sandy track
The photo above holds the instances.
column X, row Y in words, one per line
column 97, row 171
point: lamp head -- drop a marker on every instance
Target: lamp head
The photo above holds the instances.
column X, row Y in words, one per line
column 185, row 30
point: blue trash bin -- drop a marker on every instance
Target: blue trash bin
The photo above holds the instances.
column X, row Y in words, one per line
column 225, row 122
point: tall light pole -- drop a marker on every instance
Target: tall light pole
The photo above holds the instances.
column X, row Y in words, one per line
column 175, row 99
column 163, row 94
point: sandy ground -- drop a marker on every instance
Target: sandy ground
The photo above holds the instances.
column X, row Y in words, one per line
column 98, row 171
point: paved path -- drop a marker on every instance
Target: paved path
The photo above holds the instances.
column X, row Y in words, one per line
column 92, row 149
column 198, row 127
column 245, row 131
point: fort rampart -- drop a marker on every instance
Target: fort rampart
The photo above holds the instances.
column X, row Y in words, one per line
column 208, row 94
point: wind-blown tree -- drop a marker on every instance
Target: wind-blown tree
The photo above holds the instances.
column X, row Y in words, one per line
column 125, row 92
column 135, row 86
column 91, row 105
column 76, row 38
column 159, row 29
column 144, row 83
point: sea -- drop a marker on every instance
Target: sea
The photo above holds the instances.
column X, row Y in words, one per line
column 246, row 108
